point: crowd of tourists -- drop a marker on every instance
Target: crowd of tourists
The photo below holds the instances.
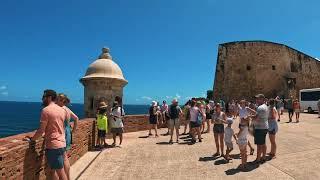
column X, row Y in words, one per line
column 257, row 118
column 57, row 131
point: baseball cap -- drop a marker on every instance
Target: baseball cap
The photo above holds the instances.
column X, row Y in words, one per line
column 260, row 96
column 229, row 120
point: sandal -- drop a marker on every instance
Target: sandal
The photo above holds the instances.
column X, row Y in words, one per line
column 170, row 142
column 251, row 151
column 113, row 144
column 272, row 155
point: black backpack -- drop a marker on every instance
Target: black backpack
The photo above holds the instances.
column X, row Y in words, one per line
column 174, row 113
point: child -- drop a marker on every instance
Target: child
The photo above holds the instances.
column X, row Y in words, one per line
column 244, row 114
column 102, row 124
column 296, row 108
column 243, row 141
column 228, row 133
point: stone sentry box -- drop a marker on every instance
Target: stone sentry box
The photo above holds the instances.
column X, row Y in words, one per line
column 103, row 81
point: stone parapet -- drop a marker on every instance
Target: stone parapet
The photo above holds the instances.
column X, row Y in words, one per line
column 21, row 160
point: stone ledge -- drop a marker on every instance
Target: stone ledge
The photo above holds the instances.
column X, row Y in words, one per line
column 20, row 160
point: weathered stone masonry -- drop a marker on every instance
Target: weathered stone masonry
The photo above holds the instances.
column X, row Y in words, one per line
column 246, row 68
column 19, row 160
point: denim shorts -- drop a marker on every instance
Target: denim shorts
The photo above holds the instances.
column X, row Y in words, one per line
column 55, row 158
column 218, row 128
column 273, row 127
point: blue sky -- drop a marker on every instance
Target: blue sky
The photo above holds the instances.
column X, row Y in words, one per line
column 165, row 48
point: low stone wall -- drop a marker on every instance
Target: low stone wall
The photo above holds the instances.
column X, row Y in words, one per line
column 20, row 160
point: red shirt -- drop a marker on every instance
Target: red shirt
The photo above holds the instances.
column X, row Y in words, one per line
column 296, row 105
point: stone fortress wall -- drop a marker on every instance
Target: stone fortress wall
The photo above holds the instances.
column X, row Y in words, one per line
column 246, row 68
column 20, row 160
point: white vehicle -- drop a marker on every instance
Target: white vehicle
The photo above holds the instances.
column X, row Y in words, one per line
column 309, row 99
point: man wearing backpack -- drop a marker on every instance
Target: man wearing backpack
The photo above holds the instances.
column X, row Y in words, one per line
column 174, row 122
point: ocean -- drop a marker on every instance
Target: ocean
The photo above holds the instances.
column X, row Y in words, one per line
column 21, row 117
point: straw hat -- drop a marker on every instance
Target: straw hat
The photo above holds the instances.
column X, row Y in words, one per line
column 103, row 105
column 154, row 103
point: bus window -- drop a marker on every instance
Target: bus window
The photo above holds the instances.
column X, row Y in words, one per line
column 310, row 96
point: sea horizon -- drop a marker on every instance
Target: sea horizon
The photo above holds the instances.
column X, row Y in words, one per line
column 20, row 117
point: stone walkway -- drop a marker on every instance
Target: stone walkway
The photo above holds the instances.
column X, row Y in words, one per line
column 152, row 158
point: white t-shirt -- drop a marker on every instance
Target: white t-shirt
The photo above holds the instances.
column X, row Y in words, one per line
column 243, row 112
column 194, row 112
column 228, row 133
column 263, row 114
column 242, row 138
column 116, row 122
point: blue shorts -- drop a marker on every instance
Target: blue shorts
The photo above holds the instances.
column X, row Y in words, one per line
column 273, row 127
column 55, row 158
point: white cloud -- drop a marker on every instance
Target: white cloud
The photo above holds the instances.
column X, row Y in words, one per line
column 177, row 96
column 146, row 97
column 169, row 97
column 5, row 93
column 317, row 59
column 187, row 98
column 3, row 87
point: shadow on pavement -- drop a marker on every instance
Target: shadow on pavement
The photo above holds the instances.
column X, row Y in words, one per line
column 186, row 142
column 163, row 143
column 185, row 137
column 210, row 158
column 250, row 167
column 144, row 136
column 221, row 161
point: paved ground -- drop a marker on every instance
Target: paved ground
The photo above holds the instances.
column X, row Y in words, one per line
column 152, row 158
